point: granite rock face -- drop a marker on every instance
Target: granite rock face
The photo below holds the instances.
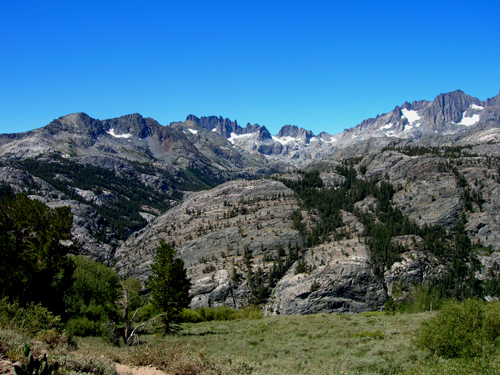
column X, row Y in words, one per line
column 415, row 268
column 211, row 230
column 342, row 282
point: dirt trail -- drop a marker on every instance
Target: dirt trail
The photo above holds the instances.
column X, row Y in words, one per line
column 7, row 368
column 148, row 370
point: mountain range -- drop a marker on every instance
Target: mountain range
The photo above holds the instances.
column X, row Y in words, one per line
column 226, row 145
column 220, row 191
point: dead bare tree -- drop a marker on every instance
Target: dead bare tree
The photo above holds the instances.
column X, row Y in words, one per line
column 133, row 336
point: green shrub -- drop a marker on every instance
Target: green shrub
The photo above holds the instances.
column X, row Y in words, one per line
column 94, row 291
column 455, row 366
column 390, row 306
column 221, row 313
column 379, row 335
column 462, row 329
column 191, row 316
column 83, row 327
column 31, row 319
column 491, row 325
column 250, row 313
column 148, row 312
column 422, row 298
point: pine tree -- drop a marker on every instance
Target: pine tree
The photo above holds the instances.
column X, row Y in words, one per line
column 34, row 247
column 169, row 285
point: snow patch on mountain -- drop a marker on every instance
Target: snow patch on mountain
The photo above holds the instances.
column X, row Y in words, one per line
column 411, row 115
column 391, row 133
column 234, row 137
column 112, row 133
column 388, row 126
column 469, row 121
column 284, row 140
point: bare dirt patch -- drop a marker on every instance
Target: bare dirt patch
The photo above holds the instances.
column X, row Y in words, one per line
column 144, row 370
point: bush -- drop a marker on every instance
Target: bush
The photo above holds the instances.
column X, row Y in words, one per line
column 91, row 299
column 31, row 319
column 455, row 366
column 491, row 325
column 250, row 313
column 221, row 313
column 148, row 312
column 422, row 298
column 83, row 327
column 462, row 329
column 370, row 334
column 191, row 316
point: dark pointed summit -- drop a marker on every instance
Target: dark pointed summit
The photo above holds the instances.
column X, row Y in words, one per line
column 133, row 124
column 295, row 132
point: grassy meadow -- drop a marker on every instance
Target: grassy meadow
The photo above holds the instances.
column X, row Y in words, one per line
column 315, row 344
column 368, row 343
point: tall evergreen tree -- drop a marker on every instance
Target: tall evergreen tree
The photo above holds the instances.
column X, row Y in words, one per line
column 169, row 284
column 34, row 243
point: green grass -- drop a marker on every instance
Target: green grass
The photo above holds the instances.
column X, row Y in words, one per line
column 369, row 343
column 311, row 344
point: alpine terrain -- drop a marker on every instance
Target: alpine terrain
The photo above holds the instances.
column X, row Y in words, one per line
column 296, row 222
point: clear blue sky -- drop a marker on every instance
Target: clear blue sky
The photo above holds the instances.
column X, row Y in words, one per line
column 321, row 65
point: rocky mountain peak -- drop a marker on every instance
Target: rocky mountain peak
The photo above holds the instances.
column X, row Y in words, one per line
column 449, row 108
column 447, row 114
column 493, row 102
column 223, row 126
column 264, row 134
column 133, row 124
column 491, row 111
column 78, row 123
column 406, row 105
column 295, row 132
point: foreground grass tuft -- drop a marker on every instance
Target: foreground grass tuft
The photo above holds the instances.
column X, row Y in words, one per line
column 184, row 359
column 12, row 342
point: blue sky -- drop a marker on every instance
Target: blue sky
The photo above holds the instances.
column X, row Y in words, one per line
column 321, row 65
